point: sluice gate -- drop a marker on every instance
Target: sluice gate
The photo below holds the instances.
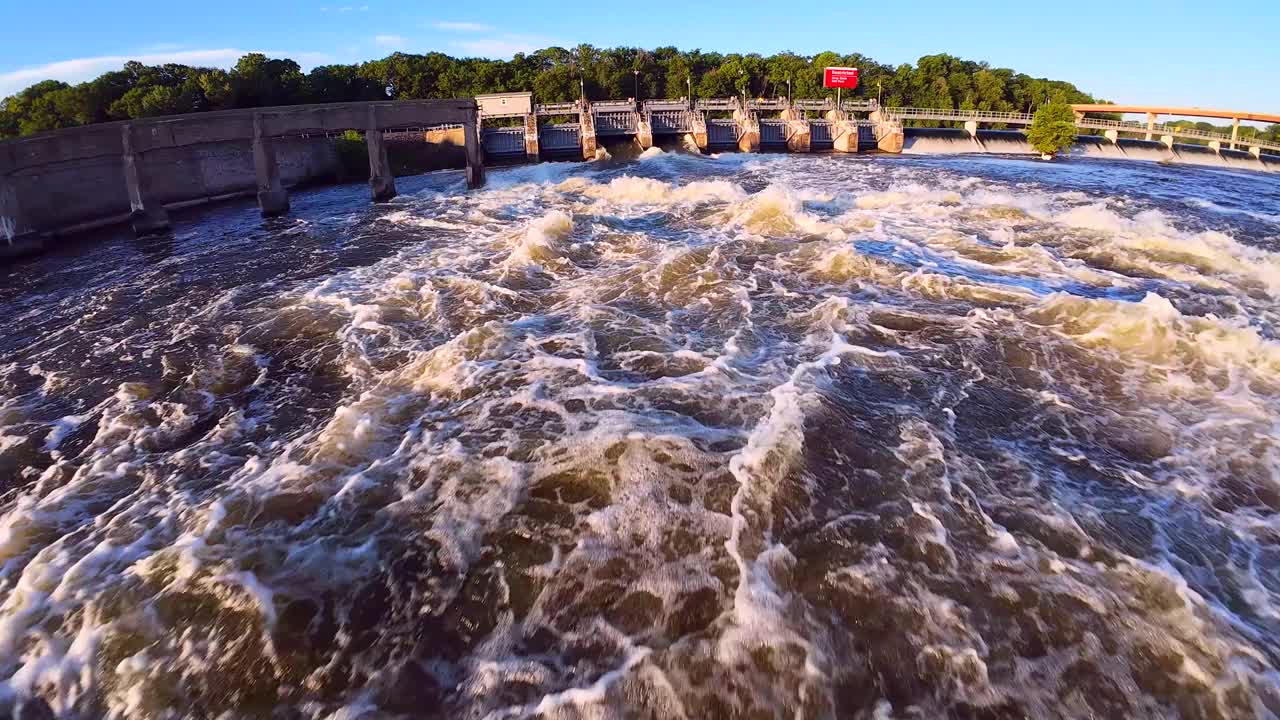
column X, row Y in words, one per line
column 515, row 129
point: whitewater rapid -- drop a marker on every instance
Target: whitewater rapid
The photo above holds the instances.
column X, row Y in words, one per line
column 668, row 436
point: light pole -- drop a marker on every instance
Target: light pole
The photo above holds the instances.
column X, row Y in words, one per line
column 688, row 82
column 879, row 94
column 582, row 88
column 637, row 74
column 788, row 91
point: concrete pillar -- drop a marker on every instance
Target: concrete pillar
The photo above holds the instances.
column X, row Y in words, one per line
column 698, row 130
column 1112, row 135
column 971, row 127
column 531, row 151
column 382, row 182
column 147, row 214
column 748, row 130
column 1235, row 132
column 474, row 151
column 1151, row 125
column 844, row 136
column 798, row 136
column 587, row 130
column 11, row 222
column 273, row 199
column 644, row 131
column 844, row 133
column 889, row 135
column 1215, row 146
column 1255, row 151
column 1167, row 140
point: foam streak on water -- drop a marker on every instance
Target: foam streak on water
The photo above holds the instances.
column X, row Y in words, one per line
column 670, row 436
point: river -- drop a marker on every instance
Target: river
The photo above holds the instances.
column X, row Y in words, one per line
column 741, row 436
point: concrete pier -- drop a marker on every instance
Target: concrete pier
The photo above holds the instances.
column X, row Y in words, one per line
column 748, row 130
column 889, row 135
column 9, row 211
column 273, row 199
column 531, row 145
column 798, row 131
column 644, row 132
column 146, row 213
column 474, row 152
column 698, row 130
column 382, row 182
column 587, row 132
column 844, row 132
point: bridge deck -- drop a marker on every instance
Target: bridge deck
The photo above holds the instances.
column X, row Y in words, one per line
column 1180, row 112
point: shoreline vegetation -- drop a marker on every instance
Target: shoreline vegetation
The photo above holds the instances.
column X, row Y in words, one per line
column 553, row 75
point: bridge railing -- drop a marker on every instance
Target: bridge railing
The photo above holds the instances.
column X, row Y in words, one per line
column 716, row 104
column 916, row 113
column 566, row 108
column 824, row 104
column 500, row 115
column 612, row 105
column 666, row 105
column 1175, row 130
column 860, row 105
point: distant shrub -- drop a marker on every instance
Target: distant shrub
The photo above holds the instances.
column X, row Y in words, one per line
column 1053, row 128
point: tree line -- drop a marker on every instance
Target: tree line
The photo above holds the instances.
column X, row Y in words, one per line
column 553, row 75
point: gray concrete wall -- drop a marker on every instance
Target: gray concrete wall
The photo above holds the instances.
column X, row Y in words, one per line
column 69, row 179
column 70, row 194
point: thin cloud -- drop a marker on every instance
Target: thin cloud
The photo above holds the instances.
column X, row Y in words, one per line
column 501, row 46
column 389, row 41
column 81, row 69
column 462, row 27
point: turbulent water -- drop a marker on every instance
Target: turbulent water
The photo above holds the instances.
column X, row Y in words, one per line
column 672, row 437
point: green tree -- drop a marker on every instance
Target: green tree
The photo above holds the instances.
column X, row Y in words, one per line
column 259, row 81
column 552, row 74
column 1053, row 128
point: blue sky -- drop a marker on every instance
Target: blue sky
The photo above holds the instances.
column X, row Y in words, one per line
column 1137, row 51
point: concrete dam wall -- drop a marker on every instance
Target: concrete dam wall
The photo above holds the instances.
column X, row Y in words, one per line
column 74, row 194
column 68, row 180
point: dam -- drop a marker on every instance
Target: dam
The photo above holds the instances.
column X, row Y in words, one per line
column 73, row 180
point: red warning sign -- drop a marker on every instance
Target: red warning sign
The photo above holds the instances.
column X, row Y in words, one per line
column 840, row 77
